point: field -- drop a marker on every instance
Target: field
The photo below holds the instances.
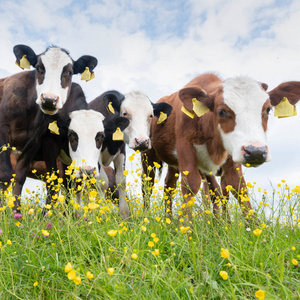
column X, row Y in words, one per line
column 89, row 252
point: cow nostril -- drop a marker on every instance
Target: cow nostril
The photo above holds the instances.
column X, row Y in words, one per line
column 255, row 155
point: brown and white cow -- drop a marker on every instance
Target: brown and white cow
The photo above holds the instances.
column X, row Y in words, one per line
column 30, row 101
column 235, row 125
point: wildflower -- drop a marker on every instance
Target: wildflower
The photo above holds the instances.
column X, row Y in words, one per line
column 157, row 219
column 93, row 180
column 153, row 235
column 168, row 221
column 294, row 261
column 248, row 229
column 35, row 284
column 155, row 252
column 112, row 232
column 150, row 244
column 156, row 165
column 18, row 224
column 257, row 231
column 72, row 275
column 49, row 225
column 125, row 172
column 45, row 233
column 93, row 193
column 110, row 271
column 93, row 205
column 146, row 220
column 89, row 275
column 185, row 173
column 68, row 267
column 61, row 199
column 18, row 216
column 31, row 211
column 263, row 226
column 77, row 280
column 155, row 240
column 260, row 294
column 9, row 242
column 134, row 256
column 225, row 253
column 144, row 228
column 48, row 206
column 184, row 229
column 207, row 212
column 224, row 275
column 293, row 248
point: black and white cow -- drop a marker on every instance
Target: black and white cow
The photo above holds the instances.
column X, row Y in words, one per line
column 139, row 110
column 30, row 101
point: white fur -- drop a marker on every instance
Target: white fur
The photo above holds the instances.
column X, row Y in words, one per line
column 246, row 98
column 138, row 108
column 54, row 61
column 87, row 123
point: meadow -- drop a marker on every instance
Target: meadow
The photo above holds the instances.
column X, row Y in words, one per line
column 88, row 252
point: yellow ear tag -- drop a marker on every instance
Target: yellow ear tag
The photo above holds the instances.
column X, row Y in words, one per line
column 118, row 135
column 162, row 117
column 188, row 113
column 53, row 127
column 285, row 109
column 87, row 75
column 199, row 108
column 91, row 77
column 110, row 107
column 24, row 63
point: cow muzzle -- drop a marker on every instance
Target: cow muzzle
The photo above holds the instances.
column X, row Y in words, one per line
column 49, row 103
column 141, row 144
column 254, row 155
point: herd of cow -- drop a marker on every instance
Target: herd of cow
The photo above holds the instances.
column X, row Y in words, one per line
column 206, row 129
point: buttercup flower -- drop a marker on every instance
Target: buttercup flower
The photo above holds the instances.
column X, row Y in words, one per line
column 260, row 294
column 225, row 253
column 224, row 275
column 110, row 271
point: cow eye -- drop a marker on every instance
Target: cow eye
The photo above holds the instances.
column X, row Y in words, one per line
column 268, row 110
column 151, row 116
column 223, row 113
column 100, row 136
column 124, row 113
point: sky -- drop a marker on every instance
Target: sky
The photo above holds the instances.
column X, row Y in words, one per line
column 159, row 46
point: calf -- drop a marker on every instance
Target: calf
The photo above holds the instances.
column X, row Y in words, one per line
column 30, row 101
column 235, row 123
column 139, row 110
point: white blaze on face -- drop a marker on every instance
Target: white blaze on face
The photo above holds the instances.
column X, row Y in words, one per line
column 54, row 60
column 139, row 110
column 245, row 98
column 86, row 124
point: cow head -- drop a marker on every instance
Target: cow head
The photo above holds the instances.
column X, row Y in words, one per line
column 87, row 133
column 54, row 69
column 139, row 110
column 241, row 107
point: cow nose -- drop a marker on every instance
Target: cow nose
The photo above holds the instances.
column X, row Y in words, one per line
column 255, row 155
column 87, row 171
column 49, row 101
column 141, row 144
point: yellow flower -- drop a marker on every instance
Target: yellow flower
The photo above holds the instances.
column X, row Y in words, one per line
column 110, row 271
column 89, row 275
column 168, row 221
column 260, row 294
column 93, row 193
column 224, row 275
column 68, row 267
column 112, row 232
column 293, row 248
column 146, row 220
column 45, row 233
column 4, row 148
column 294, row 261
column 72, row 275
column 134, row 256
column 93, row 205
column 131, row 158
column 155, row 240
column 9, row 242
column 77, row 280
column 93, row 180
column 225, row 253
column 153, row 235
column 186, row 172
column 156, row 165
column 144, row 228
column 157, row 219
column 257, row 231
column 155, row 252
column 76, row 205
column 184, row 229
column 31, row 211
column 35, row 284
column 125, row 172
column 263, row 226
column 207, row 212
column 150, row 244
column 48, row 206
column 61, row 199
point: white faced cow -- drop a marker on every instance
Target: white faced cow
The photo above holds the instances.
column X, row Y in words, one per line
column 235, row 124
column 30, row 101
column 139, row 111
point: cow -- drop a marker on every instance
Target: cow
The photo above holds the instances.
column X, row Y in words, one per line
column 32, row 100
column 86, row 135
column 213, row 119
column 139, row 110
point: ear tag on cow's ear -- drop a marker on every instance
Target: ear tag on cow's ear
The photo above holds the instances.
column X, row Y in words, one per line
column 53, row 127
column 162, row 117
column 110, row 108
column 285, row 109
column 188, row 113
column 199, row 108
column 24, row 63
column 118, row 135
column 87, row 75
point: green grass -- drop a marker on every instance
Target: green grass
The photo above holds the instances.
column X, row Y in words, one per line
column 188, row 263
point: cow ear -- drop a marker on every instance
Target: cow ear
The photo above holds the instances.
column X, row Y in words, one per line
column 24, row 52
column 289, row 89
column 111, row 123
column 264, row 86
column 85, row 61
column 161, row 107
column 113, row 100
column 186, row 95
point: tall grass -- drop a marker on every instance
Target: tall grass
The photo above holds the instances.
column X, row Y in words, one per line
column 149, row 256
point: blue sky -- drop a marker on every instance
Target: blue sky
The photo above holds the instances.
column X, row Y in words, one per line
column 159, row 46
